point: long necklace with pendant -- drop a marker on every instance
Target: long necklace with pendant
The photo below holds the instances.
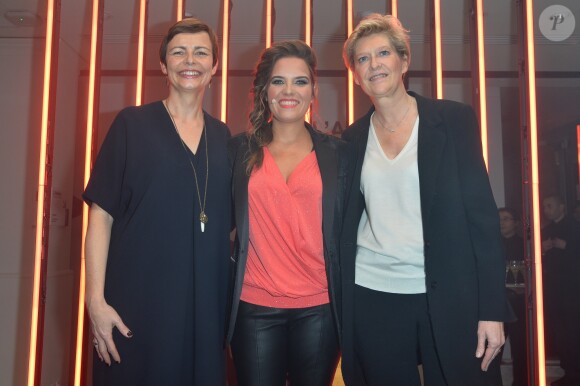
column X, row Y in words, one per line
column 203, row 219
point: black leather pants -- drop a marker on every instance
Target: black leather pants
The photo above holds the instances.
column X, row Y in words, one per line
column 271, row 345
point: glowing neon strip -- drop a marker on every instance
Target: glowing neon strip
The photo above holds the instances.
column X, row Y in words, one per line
column 40, row 211
column 141, row 52
column 438, row 61
column 225, row 53
column 92, row 103
column 179, row 10
column 533, row 132
column 394, row 8
column 308, row 22
column 350, row 81
column 268, row 23
column 482, row 86
column 308, row 35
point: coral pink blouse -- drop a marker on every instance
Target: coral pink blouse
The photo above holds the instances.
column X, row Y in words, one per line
column 285, row 266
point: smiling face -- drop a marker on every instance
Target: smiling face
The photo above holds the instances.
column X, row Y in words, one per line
column 378, row 69
column 189, row 61
column 290, row 90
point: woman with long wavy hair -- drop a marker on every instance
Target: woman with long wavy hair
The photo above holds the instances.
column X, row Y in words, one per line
column 288, row 190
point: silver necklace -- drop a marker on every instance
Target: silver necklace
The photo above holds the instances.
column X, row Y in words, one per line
column 203, row 219
column 392, row 129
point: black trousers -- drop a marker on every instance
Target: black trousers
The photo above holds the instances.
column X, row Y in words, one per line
column 392, row 336
column 273, row 345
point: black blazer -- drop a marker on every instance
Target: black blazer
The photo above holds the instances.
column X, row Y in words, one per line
column 333, row 160
column 464, row 263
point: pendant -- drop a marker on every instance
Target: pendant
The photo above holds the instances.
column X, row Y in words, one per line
column 202, row 220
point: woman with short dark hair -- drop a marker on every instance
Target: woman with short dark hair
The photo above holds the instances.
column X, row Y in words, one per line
column 157, row 246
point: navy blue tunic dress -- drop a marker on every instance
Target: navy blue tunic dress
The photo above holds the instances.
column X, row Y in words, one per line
column 167, row 280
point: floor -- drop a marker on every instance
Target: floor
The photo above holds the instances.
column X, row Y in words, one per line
column 553, row 372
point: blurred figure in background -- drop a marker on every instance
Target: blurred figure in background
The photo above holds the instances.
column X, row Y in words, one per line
column 561, row 274
column 510, row 226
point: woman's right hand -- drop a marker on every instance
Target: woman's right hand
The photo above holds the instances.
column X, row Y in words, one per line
column 103, row 319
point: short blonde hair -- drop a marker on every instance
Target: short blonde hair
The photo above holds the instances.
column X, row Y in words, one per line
column 378, row 24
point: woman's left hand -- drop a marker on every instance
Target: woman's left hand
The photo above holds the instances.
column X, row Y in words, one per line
column 492, row 333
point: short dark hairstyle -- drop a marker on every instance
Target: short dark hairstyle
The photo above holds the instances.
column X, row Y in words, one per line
column 514, row 213
column 189, row 26
column 557, row 198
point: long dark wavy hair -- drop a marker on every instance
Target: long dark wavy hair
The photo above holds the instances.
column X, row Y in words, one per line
column 260, row 130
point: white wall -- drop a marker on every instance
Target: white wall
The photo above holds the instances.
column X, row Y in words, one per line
column 18, row 171
column 21, row 66
column 62, row 258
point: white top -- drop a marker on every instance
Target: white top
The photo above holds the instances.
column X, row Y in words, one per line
column 390, row 254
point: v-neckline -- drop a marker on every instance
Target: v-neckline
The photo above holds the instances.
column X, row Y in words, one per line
column 173, row 126
column 298, row 165
column 405, row 147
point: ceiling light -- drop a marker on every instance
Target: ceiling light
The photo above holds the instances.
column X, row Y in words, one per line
column 22, row 18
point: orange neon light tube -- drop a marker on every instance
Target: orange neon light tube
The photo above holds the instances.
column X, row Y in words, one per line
column 91, row 104
column 308, row 22
column 350, row 83
column 225, row 60
column 394, row 8
column 308, row 35
column 533, row 132
column 179, row 10
column 482, row 86
column 268, row 23
column 438, row 60
column 141, row 52
column 40, row 218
